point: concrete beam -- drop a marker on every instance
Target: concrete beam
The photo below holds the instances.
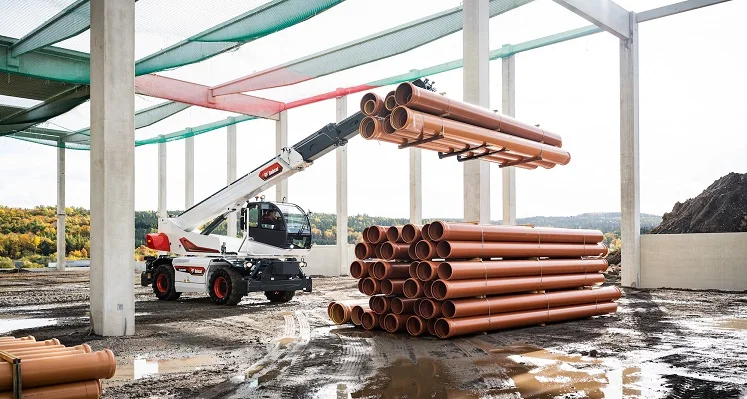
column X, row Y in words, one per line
column 112, row 167
column 162, row 179
column 189, row 172
column 676, row 8
column 231, row 149
column 341, row 189
column 629, row 160
column 476, row 91
column 281, row 141
column 416, row 186
column 605, row 14
column 61, row 214
column 508, row 102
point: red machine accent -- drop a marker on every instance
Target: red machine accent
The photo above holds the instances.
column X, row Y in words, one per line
column 193, row 270
column 270, row 171
column 191, row 247
column 158, row 241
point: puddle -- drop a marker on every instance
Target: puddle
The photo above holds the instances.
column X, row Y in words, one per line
column 732, row 324
column 8, row 325
column 142, row 367
column 405, row 379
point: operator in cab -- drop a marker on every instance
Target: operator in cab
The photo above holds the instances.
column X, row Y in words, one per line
column 271, row 219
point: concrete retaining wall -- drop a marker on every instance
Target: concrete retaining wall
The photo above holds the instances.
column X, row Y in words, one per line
column 694, row 261
column 322, row 261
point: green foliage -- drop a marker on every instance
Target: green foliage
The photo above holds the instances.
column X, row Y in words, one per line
column 6, row 263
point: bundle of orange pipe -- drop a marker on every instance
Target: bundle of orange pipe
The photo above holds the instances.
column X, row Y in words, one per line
column 51, row 370
column 450, row 279
column 412, row 116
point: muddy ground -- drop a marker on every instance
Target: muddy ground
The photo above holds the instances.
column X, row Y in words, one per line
column 661, row 343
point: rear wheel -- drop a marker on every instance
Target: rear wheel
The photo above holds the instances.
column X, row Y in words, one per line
column 226, row 287
column 163, row 283
column 280, row 296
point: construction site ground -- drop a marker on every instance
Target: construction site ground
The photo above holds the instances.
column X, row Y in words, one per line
column 661, row 343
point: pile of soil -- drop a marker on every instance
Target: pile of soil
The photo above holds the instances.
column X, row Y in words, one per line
column 721, row 208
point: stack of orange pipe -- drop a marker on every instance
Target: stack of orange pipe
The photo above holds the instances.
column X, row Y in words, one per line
column 51, row 370
column 473, row 278
column 412, row 116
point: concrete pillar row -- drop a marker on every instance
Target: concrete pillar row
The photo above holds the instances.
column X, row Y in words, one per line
column 508, row 100
column 281, row 141
column 112, row 167
column 476, row 78
column 189, row 172
column 162, row 178
column 61, row 214
column 231, row 154
column 416, row 186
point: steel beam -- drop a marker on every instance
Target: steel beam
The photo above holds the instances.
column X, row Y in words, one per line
column 629, row 160
column 676, row 8
column 69, row 22
column 606, row 14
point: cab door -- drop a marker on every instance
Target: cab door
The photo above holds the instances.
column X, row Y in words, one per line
column 265, row 224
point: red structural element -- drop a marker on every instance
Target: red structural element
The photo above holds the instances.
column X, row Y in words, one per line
column 158, row 241
column 192, row 247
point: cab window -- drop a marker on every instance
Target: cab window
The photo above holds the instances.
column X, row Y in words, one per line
column 252, row 216
column 271, row 219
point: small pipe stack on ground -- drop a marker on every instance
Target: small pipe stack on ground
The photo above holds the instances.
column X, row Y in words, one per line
column 450, row 279
column 51, row 370
column 415, row 117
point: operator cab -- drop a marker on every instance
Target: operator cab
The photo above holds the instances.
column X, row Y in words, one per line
column 280, row 224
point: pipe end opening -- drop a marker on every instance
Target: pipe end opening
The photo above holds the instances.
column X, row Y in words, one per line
column 438, row 290
column 403, row 93
column 445, row 271
column 448, row 309
column 442, row 328
column 443, row 249
column 399, row 117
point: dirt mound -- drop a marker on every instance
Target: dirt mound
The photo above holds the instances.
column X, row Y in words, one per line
column 721, row 208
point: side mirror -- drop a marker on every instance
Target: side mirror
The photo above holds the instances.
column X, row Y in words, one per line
column 242, row 220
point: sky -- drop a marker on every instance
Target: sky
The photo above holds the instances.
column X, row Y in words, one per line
column 692, row 86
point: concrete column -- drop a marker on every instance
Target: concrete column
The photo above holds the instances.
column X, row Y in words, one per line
column 341, row 189
column 189, row 172
column 61, row 214
column 509, row 108
column 112, row 167
column 281, row 141
column 629, row 158
column 416, row 186
column 476, row 91
column 162, row 173
column 231, row 149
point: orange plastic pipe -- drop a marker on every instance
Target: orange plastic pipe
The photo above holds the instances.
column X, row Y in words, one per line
column 376, row 234
column 430, row 326
column 393, row 250
column 416, row 306
column 395, row 322
column 411, row 251
column 377, row 250
column 26, row 338
column 413, row 269
column 382, row 317
column 427, row 270
column 471, row 232
column 430, row 308
column 427, row 288
column 371, row 286
column 49, row 349
column 389, row 101
column 364, row 250
column 339, row 311
column 424, row 232
column 406, row 119
column 414, row 97
column 360, row 269
column 356, row 313
column 476, row 249
column 27, row 344
column 394, row 234
column 380, row 304
column 463, row 270
column 393, row 287
column 411, row 233
column 51, row 354
column 360, row 286
column 74, row 390
column 413, row 288
column 60, row 370
column 415, row 325
column 506, row 285
column 389, row 270
column 511, row 303
column 426, row 250
column 373, row 105
column 403, row 305
column 364, row 235
column 369, row 320
column 446, row 328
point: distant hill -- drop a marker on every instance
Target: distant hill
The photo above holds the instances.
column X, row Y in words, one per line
column 720, row 208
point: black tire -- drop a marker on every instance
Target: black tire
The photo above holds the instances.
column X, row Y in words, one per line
column 226, row 287
column 163, row 283
column 280, row 296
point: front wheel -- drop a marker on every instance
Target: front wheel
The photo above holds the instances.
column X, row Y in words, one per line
column 163, row 283
column 280, row 296
column 226, row 287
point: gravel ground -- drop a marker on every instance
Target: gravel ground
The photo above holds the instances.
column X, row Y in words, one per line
column 661, row 343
